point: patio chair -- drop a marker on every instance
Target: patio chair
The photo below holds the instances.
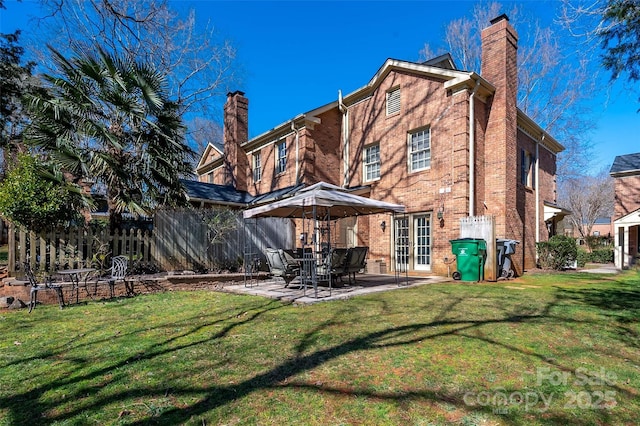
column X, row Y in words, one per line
column 38, row 286
column 282, row 264
column 357, row 260
column 335, row 263
column 117, row 272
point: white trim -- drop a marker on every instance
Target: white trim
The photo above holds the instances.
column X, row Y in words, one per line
column 272, row 142
column 630, row 219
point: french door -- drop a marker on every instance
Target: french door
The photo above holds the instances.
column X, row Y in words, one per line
column 422, row 242
column 413, row 242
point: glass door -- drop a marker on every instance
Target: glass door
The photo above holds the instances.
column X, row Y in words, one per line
column 401, row 229
column 422, row 246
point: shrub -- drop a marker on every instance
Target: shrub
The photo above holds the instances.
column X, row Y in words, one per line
column 603, row 255
column 30, row 200
column 557, row 253
column 583, row 257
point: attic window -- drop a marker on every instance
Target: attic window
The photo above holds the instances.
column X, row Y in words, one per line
column 393, row 101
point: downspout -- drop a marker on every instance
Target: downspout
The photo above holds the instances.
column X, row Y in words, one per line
column 537, row 169
column 345, row 139
column 297, row 132
column 472, row 151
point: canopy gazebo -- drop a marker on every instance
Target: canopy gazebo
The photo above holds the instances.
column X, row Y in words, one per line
column 321, row 202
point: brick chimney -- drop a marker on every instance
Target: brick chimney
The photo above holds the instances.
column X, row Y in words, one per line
column 236, row 132
column 500, row 68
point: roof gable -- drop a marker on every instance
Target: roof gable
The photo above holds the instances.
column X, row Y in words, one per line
column 211, row 150
column 626, row 165
column 443, row 61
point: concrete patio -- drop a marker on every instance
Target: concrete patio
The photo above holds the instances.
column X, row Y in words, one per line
column 295, row 293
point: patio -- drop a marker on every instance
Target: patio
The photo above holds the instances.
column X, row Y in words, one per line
column 295, row 293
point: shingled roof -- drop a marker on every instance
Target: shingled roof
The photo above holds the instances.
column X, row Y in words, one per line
column 626, row 164
column 217, row 194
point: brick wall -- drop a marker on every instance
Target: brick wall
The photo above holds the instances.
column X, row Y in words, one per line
column 236, row 132
column 321, row 150
column 627, row 195
column 424, row 103
column 499, row 66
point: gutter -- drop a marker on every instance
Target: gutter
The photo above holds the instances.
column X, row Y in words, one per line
column 297, row 132
column 345, row 140
column 210, row 201
column 472, row 151
column 537, row 183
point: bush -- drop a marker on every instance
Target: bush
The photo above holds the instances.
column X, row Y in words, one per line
column 583, row 257
column 603, row 255
column 30, row 200
column 557, row 253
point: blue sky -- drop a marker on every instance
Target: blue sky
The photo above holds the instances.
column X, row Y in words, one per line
column 296, row 55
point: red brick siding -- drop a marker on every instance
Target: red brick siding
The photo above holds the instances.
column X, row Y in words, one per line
column 627, row 195
column 499, row 66
column 236, row 132
column 424, row 102
column 322, row 150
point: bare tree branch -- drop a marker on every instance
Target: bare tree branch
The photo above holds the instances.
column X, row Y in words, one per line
column 198, row 64
column 554, row 81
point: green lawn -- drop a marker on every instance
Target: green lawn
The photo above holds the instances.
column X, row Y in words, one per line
column 544, row 349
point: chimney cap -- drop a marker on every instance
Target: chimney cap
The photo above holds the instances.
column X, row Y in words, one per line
column 499, row 18
column 237, row 92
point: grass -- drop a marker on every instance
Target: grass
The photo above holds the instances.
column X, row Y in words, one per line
column 542, row 349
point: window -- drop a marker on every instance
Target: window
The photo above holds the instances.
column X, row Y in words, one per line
column 420, row 150
column 393, row 101
column 210, row 177
column 281, row 157
column 372, row 162
column 527, row 169
column 257, row 167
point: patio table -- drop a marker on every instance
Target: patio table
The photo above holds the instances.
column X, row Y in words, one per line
column 75, row 276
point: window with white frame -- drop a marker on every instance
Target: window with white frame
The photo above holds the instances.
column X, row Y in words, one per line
column 527, row 169
column 371, row 162
column 210, row 177
column 281, row 157
column 393, row 101
column 420, row 150
column 257, row 166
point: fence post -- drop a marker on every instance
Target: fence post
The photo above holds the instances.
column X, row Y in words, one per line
column 11, row 234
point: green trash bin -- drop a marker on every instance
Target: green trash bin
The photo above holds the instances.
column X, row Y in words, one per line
column 470, row 256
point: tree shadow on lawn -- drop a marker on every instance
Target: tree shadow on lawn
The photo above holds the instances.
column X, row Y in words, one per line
column 281, row 376
column 620, row 302
column 27, row 408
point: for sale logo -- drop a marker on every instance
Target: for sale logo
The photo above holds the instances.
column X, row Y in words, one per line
column 594, row 396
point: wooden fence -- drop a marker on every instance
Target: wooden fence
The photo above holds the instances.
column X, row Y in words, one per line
column 180, row 240
column 483, row 227
column 76, row 247
column 184, row 241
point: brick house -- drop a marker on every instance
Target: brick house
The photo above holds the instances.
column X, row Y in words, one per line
column 444, row 143
column 626, row 217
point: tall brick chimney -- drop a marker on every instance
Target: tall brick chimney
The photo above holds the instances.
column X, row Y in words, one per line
column 500, row 68
column 236, row 132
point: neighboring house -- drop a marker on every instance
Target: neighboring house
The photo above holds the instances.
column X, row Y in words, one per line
column 626, row 218
column 602, row 227
column 444, row 143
